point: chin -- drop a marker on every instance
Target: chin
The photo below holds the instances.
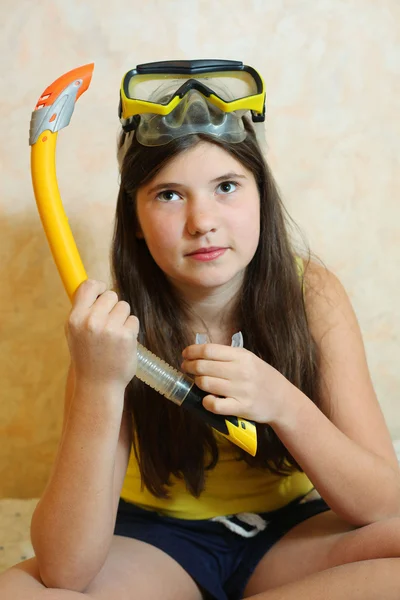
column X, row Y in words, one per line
column 212, row 281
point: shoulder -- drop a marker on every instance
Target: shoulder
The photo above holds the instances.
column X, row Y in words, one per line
column 327, row 303
column 318, row 278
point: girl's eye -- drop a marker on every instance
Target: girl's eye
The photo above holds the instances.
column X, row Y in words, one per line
column 227, row 187
column 167, row 196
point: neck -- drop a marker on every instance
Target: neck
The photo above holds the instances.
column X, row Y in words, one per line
column 213, row 312
column 218, row 323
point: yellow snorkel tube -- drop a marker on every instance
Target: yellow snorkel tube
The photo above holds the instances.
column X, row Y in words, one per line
column 53, row 112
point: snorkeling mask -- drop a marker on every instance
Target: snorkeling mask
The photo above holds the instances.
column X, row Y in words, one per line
column 164, row 100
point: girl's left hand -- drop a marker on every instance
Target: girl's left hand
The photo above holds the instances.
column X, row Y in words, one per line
column 250, row 388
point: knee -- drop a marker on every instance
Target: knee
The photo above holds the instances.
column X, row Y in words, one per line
column 376, row 540
column 20, row 581
column 388, row 533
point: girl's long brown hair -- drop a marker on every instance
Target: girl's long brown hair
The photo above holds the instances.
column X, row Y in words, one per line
column 270, row 312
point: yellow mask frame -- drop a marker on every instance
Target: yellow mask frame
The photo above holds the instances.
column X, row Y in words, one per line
column 195, row 74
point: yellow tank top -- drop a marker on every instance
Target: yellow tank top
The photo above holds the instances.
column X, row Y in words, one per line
column 231, row 487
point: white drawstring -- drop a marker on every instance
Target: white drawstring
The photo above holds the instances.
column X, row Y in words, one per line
column 252, row 519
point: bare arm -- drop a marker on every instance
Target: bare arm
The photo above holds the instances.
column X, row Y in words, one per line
column 345, row 448
column 73, row 524
column 343, row 445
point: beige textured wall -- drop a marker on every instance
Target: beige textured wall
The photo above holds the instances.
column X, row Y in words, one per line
column 332, row 70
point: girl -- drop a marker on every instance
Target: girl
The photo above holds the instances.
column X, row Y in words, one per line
column 147, row 501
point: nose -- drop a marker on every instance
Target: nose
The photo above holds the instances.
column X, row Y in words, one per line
column 202, row 216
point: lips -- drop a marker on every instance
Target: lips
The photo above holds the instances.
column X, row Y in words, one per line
column 206, row 250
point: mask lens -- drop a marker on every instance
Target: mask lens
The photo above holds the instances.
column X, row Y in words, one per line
column 229, row 86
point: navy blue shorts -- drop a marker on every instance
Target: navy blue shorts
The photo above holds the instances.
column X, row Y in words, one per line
column 218, row 559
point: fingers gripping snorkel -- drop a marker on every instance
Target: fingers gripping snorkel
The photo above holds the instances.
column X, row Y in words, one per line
column 53, row 112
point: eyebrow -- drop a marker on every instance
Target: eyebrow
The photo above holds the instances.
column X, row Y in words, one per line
column 171, row 184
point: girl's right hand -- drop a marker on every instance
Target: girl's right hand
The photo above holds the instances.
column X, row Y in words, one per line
column 102, row 336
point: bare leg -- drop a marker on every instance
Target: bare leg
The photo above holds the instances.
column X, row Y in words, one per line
column 367, row 580
column 133, row 570
column 22, row 582
column 320, row 543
